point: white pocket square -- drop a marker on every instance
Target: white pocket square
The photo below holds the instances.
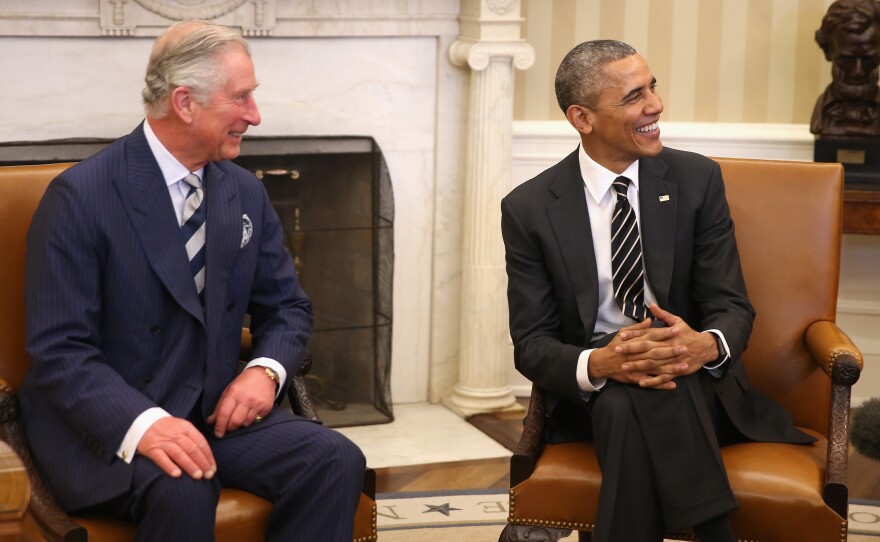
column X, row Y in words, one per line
column 247, row 229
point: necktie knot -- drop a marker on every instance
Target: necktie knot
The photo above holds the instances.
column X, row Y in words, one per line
column 621, row 185
column 193, row 181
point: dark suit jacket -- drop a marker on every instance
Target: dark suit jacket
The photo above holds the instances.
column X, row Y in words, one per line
column 114, row 323
column 691, row 263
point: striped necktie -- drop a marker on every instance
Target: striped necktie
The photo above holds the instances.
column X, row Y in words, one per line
column 193, row 230
column 628, row 274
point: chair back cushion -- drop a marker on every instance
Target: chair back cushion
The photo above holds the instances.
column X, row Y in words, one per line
column 21, row 188
column 788, row 230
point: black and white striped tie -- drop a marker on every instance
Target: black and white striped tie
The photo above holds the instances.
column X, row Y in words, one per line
column 628, row 274
column 193, row 229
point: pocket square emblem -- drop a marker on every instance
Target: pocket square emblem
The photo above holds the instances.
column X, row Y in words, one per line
column 247, row 230
column 664, row 197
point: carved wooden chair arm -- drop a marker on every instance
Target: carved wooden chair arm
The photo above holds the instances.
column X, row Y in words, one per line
column 828, row 344
column 842, row 361
column 531, row 443
column 55, row 525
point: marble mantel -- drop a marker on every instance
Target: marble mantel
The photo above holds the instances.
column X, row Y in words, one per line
column 380, row 68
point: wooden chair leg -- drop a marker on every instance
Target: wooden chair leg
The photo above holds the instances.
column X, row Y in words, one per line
column 585, row 536
column 532, row 533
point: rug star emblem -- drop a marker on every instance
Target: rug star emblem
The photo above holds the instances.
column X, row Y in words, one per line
column 443, row 509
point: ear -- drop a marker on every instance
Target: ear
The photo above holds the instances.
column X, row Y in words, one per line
column 181, row 101
column 580, row 117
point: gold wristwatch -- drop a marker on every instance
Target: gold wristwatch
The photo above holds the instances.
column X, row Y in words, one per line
column 272, row 375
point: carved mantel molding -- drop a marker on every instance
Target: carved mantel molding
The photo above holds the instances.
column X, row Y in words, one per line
column 255, row 18
column 127, row 17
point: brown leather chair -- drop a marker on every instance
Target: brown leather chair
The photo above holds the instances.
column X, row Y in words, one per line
column 240, row 515
column 788, row 229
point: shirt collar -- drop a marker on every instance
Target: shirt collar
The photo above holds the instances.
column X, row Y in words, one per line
column 172, row 170
column 598, row 179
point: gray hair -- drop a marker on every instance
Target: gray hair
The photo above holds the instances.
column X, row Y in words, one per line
column 581, row 76
column 187, row 54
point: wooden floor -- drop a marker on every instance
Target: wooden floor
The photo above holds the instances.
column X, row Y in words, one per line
column 864, row 473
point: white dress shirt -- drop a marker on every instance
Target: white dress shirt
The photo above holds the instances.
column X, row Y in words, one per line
column 601, row 199
column 174, row 172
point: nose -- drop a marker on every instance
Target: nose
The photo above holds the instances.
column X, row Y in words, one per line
column 654, row 105
column 858, row 67
column 252, row 113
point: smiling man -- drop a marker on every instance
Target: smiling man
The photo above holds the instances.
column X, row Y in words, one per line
column 142, row 262
column 628, row 306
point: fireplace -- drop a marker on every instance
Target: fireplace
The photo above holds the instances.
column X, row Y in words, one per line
column 334, row 198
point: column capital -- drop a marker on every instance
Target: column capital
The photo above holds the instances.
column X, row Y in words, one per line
column 477, row 54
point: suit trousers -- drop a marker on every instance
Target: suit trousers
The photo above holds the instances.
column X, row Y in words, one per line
column 312, row 474
column 660, row 458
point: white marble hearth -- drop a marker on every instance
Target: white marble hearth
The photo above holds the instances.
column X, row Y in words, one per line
column 420, row 434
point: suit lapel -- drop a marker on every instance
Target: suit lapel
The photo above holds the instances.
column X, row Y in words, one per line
column 570, row 221
column 145, row 196
column 658, row 199
column 223, row 240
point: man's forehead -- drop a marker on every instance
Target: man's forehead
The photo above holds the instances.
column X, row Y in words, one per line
column 628, row 74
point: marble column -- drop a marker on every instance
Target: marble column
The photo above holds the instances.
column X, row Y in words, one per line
column 491, row 47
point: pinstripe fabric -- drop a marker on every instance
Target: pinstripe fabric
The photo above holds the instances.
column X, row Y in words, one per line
column 114, row 325
column 311, row 473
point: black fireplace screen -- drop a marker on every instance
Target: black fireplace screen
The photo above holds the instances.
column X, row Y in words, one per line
column 334, row 198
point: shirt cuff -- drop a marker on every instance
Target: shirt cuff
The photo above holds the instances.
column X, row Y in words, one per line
column 136, row 432
column 715, row 370
column 275, row 366
column 586, row 384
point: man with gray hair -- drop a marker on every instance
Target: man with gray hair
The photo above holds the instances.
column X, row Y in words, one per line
column 142, row 262
column 628, row 307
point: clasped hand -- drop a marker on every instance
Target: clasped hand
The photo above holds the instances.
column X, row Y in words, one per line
column 652, row 357
column 175, row 444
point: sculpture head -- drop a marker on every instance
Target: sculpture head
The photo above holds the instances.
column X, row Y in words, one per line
column 850, row 38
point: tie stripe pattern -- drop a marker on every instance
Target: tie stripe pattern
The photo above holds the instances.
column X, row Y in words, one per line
column 193, row 230
column 628, row 273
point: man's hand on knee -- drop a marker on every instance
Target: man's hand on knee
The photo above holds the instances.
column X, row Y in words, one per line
column 244, row 401
column 176, row 446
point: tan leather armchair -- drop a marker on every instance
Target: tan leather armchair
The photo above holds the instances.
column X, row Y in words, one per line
column 788, row 229
column 240, row 515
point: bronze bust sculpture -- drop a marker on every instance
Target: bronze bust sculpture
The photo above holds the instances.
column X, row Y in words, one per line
column 850, row 38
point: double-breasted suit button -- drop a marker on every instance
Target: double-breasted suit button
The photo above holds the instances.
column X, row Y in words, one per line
column 154, row 330
column 148, row 379
column 230, row 307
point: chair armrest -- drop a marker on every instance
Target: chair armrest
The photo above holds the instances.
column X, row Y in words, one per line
column 531, row 442
column 53, row 523
column 298, row 393
column 842, row 361
column 828, row 344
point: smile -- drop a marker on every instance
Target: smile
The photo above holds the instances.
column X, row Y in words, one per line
column 648, row 128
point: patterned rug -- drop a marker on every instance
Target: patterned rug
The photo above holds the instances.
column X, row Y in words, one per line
column 479, row 516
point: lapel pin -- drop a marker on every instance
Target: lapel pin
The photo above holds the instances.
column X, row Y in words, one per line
column 664, row 197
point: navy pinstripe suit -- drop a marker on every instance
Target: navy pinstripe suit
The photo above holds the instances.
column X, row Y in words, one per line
column 115, row 326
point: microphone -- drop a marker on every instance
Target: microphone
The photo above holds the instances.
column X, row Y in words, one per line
column 864, row 430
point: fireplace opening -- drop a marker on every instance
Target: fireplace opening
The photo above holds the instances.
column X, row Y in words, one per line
column 334, row 198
